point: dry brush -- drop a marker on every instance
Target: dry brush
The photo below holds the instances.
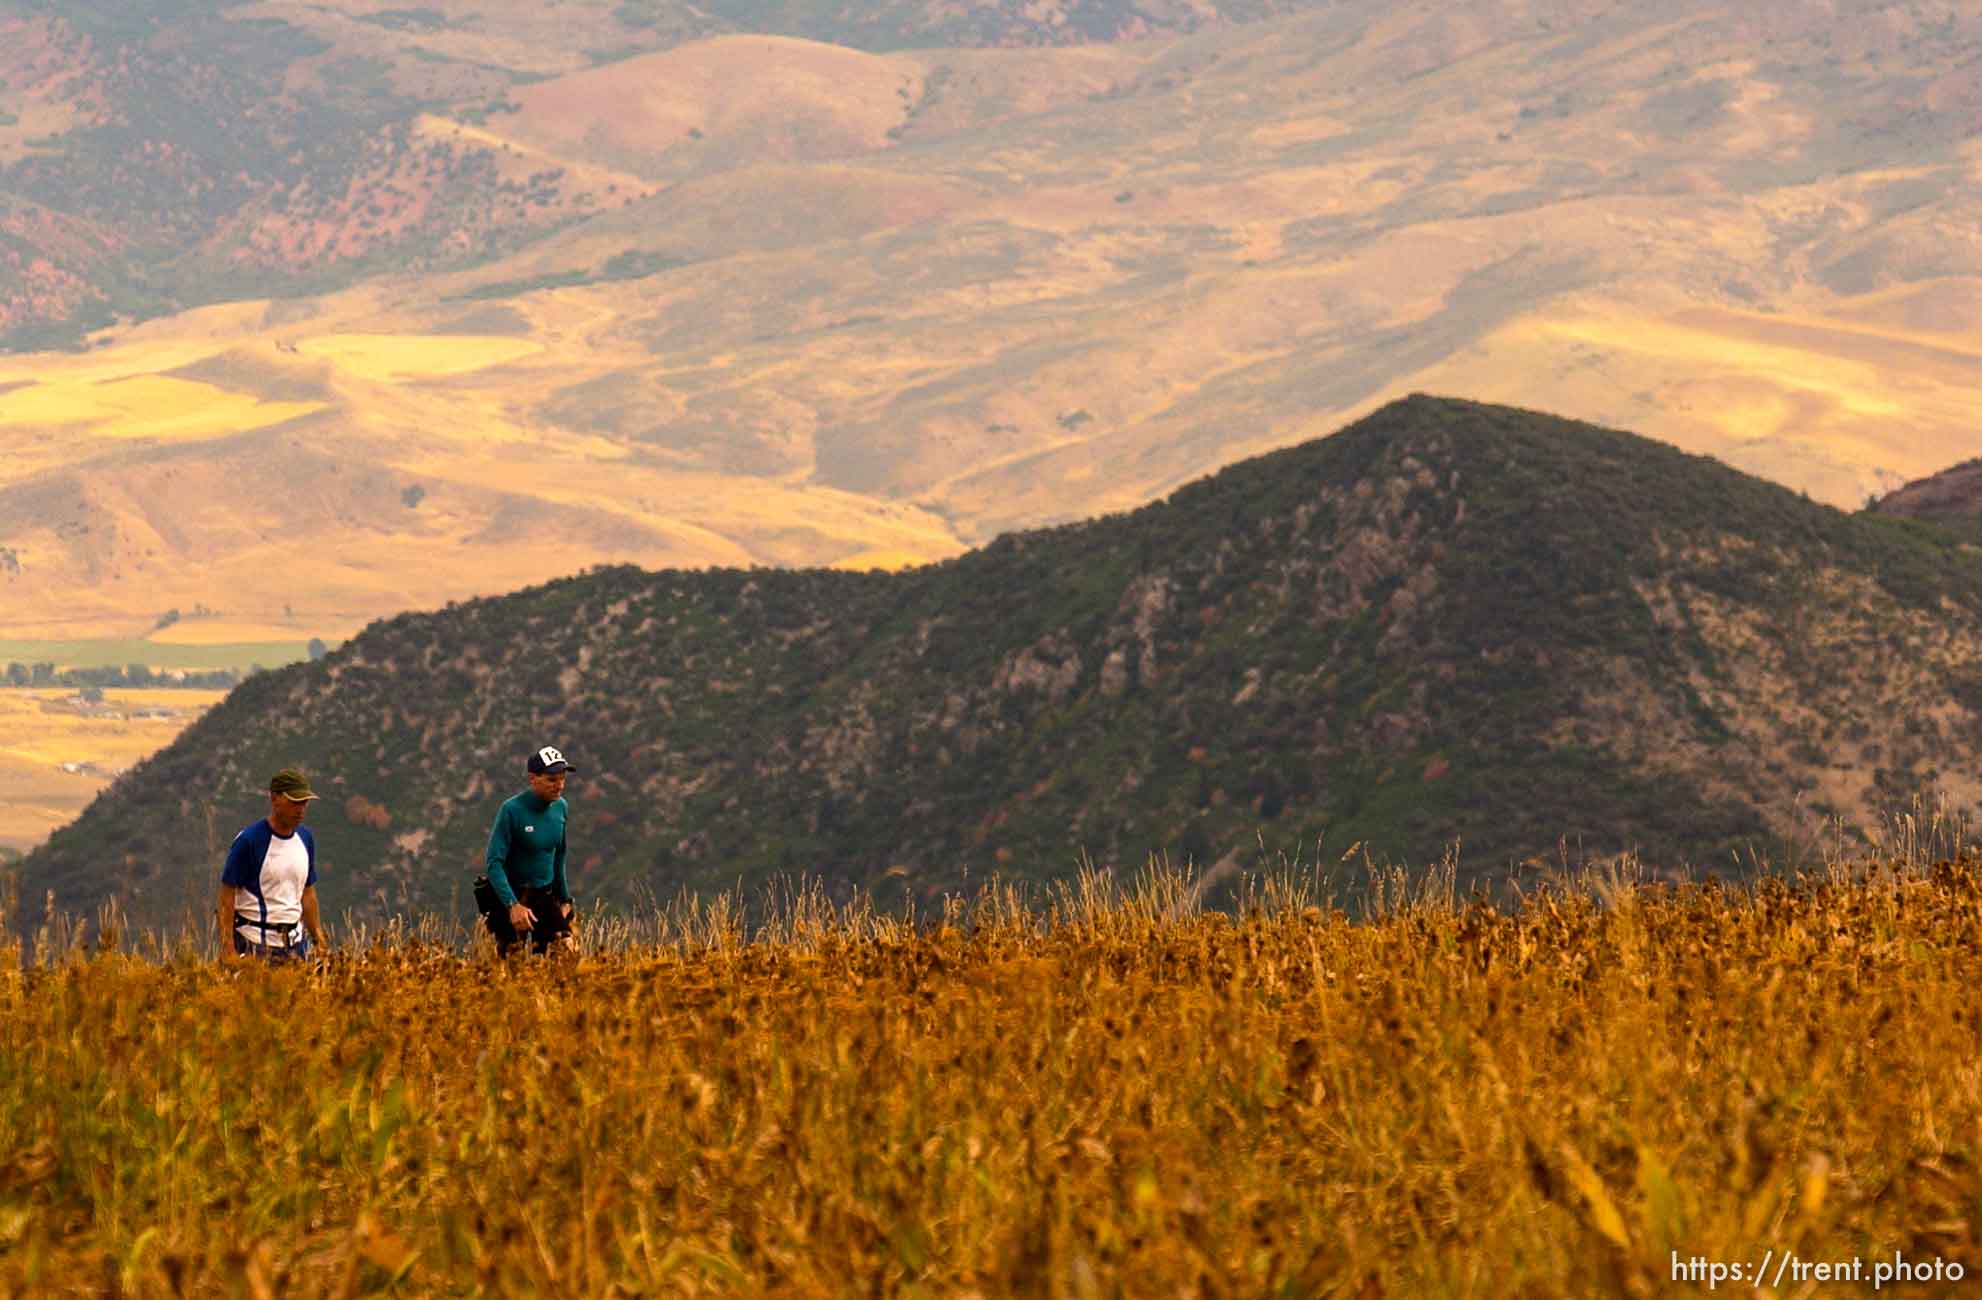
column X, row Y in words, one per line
column 1106, row 1091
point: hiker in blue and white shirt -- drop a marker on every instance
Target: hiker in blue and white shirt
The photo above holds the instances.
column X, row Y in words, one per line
column 268, row 889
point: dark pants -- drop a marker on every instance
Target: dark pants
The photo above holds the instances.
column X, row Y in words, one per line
column 275, row 953
column 552, row 924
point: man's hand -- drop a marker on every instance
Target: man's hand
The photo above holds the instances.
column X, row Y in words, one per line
column 521, row 917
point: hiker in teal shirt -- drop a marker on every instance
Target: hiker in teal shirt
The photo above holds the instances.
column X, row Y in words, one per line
column 525, row 891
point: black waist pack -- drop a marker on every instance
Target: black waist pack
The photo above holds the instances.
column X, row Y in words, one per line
column 486, row 901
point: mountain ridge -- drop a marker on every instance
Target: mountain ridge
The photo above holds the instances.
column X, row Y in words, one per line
column 1446, row 622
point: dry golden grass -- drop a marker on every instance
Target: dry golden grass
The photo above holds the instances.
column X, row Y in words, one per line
column 391, row 357
column 93, row 413
column 516, row 154
column 741, row 93
column 144, row 406
column 220, row 631
column 36, row 794
column 1104, row 1093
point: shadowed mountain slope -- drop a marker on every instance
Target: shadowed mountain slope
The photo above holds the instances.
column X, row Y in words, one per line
column 1446, row 621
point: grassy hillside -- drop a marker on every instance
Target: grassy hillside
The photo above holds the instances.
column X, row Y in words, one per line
column 1446, row 622
column 1099, row 1091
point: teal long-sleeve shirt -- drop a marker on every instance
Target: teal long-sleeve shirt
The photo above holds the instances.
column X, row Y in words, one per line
column 526, row 848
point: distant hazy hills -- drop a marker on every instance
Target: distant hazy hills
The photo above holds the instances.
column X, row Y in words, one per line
column 498, row 291
column 1446, row 622
column 190, row 151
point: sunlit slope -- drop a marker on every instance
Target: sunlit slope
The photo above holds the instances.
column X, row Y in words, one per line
column 404, row 480
column 956, row 293
column 713, row 105
column 1235, row 241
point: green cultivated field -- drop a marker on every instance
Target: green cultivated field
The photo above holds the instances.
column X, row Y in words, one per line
column 1109, row 1094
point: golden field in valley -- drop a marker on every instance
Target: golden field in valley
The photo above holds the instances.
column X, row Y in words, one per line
column 1102, row 1091
column 432, row 489
column 55, row 758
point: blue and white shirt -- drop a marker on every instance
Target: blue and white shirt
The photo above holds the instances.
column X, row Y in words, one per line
column 271, row 872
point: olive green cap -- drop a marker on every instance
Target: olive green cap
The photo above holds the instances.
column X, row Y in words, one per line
column 291, row 784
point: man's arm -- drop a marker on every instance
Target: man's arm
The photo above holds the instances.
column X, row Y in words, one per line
column 310, row 919
column 226, row 919
column 241, row 870
column 498, row 854
column 520, row 916
column 560, row 889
